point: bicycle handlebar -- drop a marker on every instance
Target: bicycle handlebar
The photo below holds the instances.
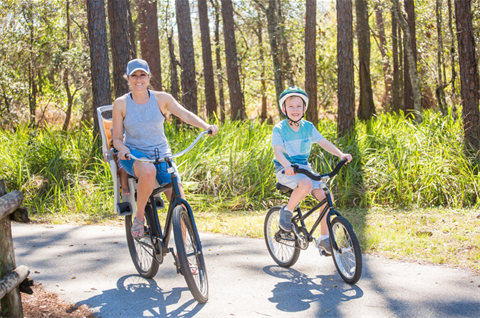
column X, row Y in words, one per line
column 317, row 177
column 129, row 155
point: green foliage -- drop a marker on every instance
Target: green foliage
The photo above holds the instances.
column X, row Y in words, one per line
column 396, row 164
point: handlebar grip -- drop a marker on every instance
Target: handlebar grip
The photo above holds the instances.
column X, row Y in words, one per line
column 210, row 131
column 337, row 168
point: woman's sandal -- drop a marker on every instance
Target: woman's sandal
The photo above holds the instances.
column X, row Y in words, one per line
column 137, row 226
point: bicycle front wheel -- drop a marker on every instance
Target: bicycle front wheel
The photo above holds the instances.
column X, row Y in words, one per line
column 190, row 256
column 142, row 249
column 282, row 246
column 348, row 257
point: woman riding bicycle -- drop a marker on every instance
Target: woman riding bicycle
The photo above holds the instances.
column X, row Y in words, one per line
column 141, row 115
column 292, row 141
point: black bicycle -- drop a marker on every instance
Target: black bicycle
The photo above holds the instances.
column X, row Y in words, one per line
column 284, row 247
column 149, row 251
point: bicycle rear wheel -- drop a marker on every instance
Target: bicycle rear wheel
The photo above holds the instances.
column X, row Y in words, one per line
column 142, row 249
column 282, row 246
column 190, row 257
column 348, row 257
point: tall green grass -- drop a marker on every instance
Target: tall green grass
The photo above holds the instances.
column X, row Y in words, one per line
column 396, row 163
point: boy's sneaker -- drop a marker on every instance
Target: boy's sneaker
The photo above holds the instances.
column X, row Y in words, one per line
column 285, row 222
column 325, row 246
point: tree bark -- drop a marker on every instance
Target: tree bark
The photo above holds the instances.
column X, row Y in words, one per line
column 10, row 202
column 346, row 89
column 174, row 90
column 219, row 70
column 263, row 87
column 97, row 32
column 396, row 45
column 272, row 35
column 470, row 81
column 13, row 279
column 66, row 84
column 310, row 60
column 119, row 43
column 12, row 300
column 387, row 73
column 207, row 60
column 149, row 42
column 288, row 70
column 440, row 90
column 187, row 56
column 131, row 33
column 236, row 96
column 412, row 79
column 366, row 107
column 452, row 55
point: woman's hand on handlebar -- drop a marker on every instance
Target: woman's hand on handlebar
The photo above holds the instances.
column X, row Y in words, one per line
column 124, row 154
column 346, row 156
column 213, row 129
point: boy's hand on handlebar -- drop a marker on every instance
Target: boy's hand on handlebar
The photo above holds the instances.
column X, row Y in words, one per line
column 290, row 171
column 213, row 129
column 346, row 156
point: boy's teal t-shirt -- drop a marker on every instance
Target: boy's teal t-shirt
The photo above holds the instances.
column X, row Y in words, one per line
column 296, row 145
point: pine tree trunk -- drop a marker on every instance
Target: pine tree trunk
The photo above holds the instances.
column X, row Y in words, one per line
column 131, row 33
column 310, row 60
column 66, row 84
column 387, row 73
column 346, row 89
column 174, row 89
column 440, row 91
column 119, row 43
column 277, row 65
column 470, row 81
column 263, row 87
column 366, row 107
column 207, row 60
column 452, row 54
column 219, row 70
column 396, row 92
column 187, row 56
column 413, row 86
column 97, row 31
column 149, row 42
column 237, row 111
column 288, row 70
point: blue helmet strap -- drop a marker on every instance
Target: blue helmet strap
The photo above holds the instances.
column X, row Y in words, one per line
column 291, row 121
column 294, row 122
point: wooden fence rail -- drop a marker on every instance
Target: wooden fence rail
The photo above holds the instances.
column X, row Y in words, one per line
column 11, row 277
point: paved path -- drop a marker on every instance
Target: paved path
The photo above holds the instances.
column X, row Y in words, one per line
column 91, row 265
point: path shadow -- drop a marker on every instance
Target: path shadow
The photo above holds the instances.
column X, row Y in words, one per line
column 298, row 292
column 136, row 296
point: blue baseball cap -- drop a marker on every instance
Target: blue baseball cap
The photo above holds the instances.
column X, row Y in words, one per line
column 137, row 65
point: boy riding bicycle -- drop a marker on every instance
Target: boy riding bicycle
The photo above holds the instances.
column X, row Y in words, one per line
column 292, row 141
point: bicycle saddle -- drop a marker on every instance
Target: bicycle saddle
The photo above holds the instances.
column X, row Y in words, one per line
column 283, row 188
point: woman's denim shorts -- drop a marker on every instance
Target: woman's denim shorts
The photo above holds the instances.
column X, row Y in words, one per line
column 163, row 177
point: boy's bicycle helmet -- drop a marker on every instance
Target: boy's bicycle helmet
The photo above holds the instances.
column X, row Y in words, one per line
column 290, row 92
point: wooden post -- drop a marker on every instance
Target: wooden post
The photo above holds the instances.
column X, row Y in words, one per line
column 12, row 301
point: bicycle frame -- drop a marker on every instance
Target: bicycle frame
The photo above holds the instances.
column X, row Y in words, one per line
column 327, row 211
column 175, row 200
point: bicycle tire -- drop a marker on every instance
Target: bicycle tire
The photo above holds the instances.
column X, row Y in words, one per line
column 284, row 253
column 189, row 255
column 348, row 259
column 142, row 251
